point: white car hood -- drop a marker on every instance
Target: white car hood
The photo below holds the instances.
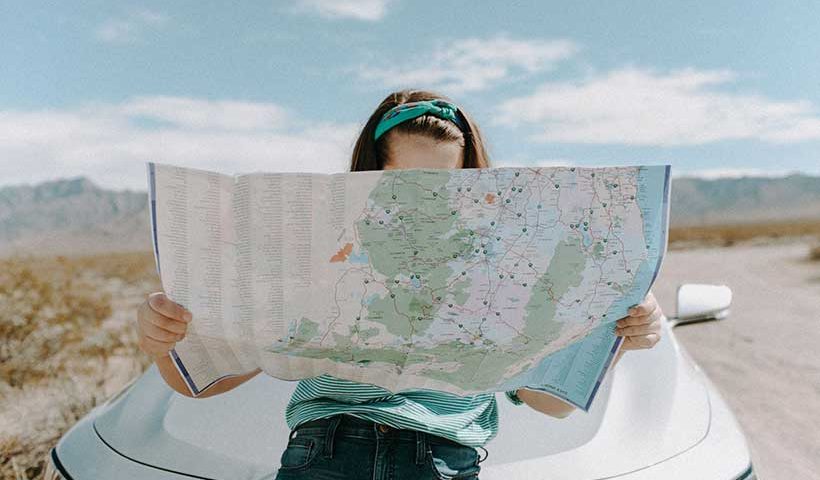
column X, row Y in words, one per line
column 651, row 407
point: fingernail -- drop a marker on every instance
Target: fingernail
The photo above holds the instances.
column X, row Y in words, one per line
column 187, row 316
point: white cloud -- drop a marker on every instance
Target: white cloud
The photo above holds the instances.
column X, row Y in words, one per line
column 130, row 28
column 368, row 10
column 471, row 64
column 642, row 107
column 201, row 114
column 110, row 143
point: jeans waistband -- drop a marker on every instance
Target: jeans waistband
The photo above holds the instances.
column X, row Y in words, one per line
column 342, row 424
column 330, row 428
column 351, row 425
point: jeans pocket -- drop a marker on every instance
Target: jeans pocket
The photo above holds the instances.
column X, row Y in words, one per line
column 453, row 462
column 300, row 453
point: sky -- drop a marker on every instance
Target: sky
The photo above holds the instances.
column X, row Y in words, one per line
column 98, row 88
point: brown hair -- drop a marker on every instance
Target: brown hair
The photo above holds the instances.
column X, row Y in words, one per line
column 369, row 154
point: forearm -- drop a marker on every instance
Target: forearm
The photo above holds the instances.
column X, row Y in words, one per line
column 551, row 405
column 545, row 403
column 174, row 380
column 171, row 375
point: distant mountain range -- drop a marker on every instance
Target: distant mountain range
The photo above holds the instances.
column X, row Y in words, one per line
column 72, row 216
column 697, row 201
column 76, row 216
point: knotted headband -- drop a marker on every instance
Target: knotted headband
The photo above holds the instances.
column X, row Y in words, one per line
column 406, row 111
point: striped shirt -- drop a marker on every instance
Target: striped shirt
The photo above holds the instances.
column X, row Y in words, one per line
column 470, row 420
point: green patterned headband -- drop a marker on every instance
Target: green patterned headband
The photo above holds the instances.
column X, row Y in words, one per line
column 406, row 111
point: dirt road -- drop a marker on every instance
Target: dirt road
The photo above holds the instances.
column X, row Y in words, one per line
column 765, row 358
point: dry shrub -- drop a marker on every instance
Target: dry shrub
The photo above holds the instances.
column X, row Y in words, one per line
column 34, row 419
column 814, row 253
column 730, row 234
column 130, row 267
column 67, row 343
column 41, row 317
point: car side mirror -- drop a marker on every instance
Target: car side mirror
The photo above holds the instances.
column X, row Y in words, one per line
column 701, row 302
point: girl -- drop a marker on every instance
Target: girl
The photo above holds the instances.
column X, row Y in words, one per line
column 342, row 429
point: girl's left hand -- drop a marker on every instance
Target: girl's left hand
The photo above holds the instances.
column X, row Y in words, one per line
column 642, row 327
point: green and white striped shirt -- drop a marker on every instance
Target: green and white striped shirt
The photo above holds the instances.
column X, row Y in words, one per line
column 470, row 420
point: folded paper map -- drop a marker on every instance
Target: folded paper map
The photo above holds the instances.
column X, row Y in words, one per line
column 464, row 281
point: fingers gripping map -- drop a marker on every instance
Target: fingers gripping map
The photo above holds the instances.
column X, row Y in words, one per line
column 466, row 281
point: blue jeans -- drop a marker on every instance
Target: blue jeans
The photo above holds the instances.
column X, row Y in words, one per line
column 343, row 447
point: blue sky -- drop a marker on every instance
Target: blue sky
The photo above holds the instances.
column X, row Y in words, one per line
column 98, row 88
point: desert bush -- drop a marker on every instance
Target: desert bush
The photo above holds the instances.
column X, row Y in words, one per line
column 731, row 234
column 131, row 267
column 43, row 317
column 34, row 419
column 814, row 253
column 67, row 343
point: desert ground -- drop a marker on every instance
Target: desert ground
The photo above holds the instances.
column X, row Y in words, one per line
column 68, row 344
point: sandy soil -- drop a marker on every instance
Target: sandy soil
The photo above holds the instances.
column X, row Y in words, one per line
column 765, row 358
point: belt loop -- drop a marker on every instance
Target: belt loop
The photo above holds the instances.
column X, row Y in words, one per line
column 421, row 444
column 330, row 433
column 487, row 454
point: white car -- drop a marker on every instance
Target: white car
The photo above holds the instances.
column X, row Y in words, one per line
column 657, row 416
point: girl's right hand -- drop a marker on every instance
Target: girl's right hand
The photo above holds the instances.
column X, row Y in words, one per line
column 161, row 323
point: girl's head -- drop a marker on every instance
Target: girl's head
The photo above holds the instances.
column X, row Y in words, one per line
column 426, row 141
